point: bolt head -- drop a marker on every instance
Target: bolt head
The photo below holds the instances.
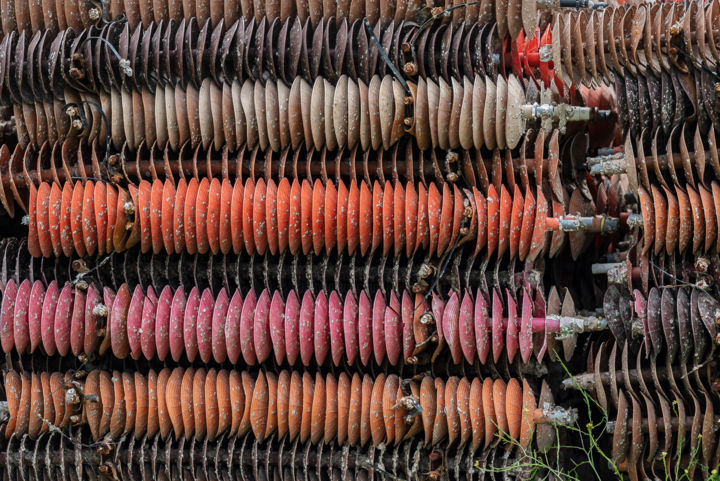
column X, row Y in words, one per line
column 410, row 68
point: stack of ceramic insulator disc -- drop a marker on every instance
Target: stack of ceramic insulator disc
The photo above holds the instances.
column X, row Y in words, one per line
column 359, row 240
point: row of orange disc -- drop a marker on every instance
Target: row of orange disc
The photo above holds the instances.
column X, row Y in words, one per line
column 202, row 403
column 214, row 216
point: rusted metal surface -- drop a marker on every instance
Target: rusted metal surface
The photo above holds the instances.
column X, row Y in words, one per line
column 394, row 219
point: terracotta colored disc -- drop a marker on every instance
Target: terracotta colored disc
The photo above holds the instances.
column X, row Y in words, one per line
column 216, row 393
column 271, row 216
column 528, row 413
column 331, row 409
column 344, row 394
column 528, row 221
column 43, row 206
column 459, row 202
column 354, row 424
column 294, row 223
column 377, row 216
column 354, row 228
column 539, row 231
column 127, row 380
column 477, row 418
column 101, row 216
column 141, row 398
column 54, row 211
column 259, row 406
column 248, row 215
column 440, row 430
column 410, row 211
column 33, row 243
column 283, row 403
column 516, row 221
column 143, row 215
column 513, row 408
column 212, row 229
column 237, row 401
column 225, row 226
column 259, row 227
column 494, row 220
column 65, row 213
column 318, row 407
column 306, row 217
column 189, row 217
column 365, row 216
column 377, row 425
column 453, row 419
column 295, row 405
column 318, row 216
column 187, row 401
column 202, row 204
column 93, row 405
column 446, row 233
column 156, row 215
column 341, row 220
column 434, row 201
column 236, row 217
column 505, row 220
column 308, row 391
column 89, row 229
column 76, row 218
column 173, row 402
column 388, row 212
column 490, row 421
column 283, row 214
column 427, row 402
column 331, row 215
